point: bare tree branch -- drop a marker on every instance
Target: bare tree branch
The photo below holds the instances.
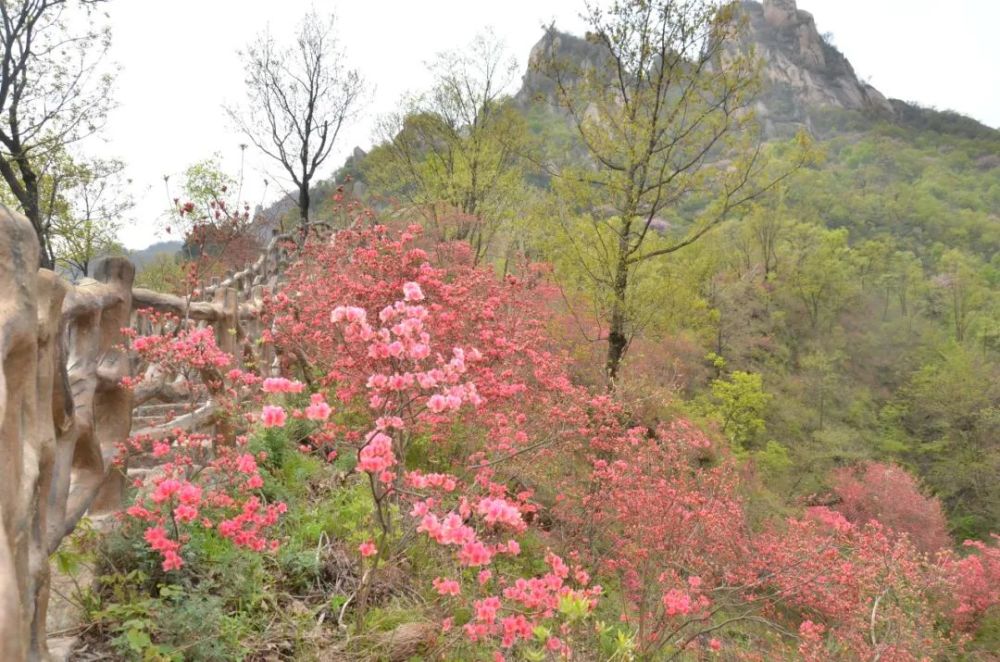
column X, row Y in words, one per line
column 298, row 100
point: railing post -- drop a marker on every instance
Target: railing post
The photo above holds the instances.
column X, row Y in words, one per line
column 228, row 304
column 112, row 403
column 52, row 395
column 19, row 413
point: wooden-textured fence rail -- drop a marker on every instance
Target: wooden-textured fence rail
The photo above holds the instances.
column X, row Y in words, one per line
column 64, row 411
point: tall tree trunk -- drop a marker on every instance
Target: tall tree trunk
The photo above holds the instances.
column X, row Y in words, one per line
column 31, row 204
column 34, row 214
column 617, row 339
column 304, row 205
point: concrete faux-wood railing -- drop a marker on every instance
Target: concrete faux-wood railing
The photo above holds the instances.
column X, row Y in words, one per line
column 63, row 409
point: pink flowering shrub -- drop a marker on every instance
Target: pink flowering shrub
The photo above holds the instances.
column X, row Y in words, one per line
column 865, row 592
column 678, row 535
column 973, row 581
column 887, row 493
column 180, row 498
column 431, row 347
column 414, row 388
column 665, row 515
column 181, row 349
column 200, row 481
column 438, row 387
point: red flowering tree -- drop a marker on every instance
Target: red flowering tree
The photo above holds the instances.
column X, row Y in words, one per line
column 663, row 514
column 888, row 494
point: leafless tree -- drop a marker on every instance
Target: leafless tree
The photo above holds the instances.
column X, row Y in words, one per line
column 53, row 92
column 298, row 100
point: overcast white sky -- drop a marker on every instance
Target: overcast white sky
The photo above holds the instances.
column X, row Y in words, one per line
column 179, row 65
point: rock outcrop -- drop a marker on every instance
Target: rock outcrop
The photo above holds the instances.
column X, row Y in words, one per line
column 536, row 87
column 801, row 70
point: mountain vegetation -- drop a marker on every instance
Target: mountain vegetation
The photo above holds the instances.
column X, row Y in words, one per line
column 688, row 348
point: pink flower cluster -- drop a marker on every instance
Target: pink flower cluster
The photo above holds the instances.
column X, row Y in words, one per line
column 191, row 346
column 188, row 495
column 533, row 599
column 422, row 481
column 447, row 586
column 222, row 498
column 500, row 511
column 412, row 292
column 246, row 528
column 281, row 385
column 273, row 416
column 376, row 456
column 349, row 314
column 404, row 338
column 677, row 602
column 156, row 537
column 451, row 530
column 318, row 409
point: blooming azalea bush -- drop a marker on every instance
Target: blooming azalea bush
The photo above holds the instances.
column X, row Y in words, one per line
column 855, row 591
column 524, row 505
column 180, row 498
column 660, row 513
column 471, row 518
column 200, row 481
column 973, row 581
column 888, row 494
column 675, row 536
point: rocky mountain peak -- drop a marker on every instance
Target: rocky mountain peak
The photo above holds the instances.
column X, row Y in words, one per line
column 801, row 70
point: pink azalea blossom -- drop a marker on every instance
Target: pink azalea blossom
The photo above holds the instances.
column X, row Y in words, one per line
column 317, row 410
column 273, row 416
column 447, row 586
column 281, row 385
column 412, row 292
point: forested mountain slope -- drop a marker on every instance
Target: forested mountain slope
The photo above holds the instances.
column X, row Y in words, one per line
column 860, row 294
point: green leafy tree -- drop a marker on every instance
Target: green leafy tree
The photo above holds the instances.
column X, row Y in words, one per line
column 89, row 223
column 54, row 92
column 960, row 280
column 740, row 402
column 903, row 276
column 949, row 409
column 822, row 375
column 164, row 273
column 455, row 149
column 819, row 273
column 83, row 205
column 664, row 116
